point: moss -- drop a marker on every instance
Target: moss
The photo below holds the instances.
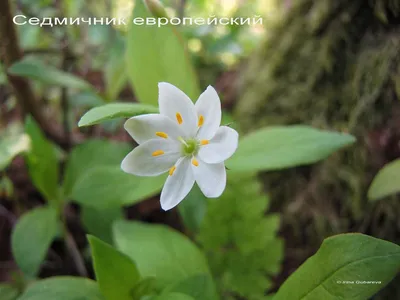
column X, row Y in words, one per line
column 330, row 64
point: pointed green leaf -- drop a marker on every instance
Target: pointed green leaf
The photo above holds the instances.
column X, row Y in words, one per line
column 102, row 187
column 114, row 111
column 159, row 251
column 98, row 222
column 193, row 209
column 63, row 288
column 8, row 292
column 91, row 154
column 37, row 70
column 347, row 266
column 386, row 182
column 173, row 296
column 42, row 162
column 200, row 287
column 11, row 146
column 32, row 237
column 116, row 273
column 155, row 54
column 274, row 148
column 145, row 287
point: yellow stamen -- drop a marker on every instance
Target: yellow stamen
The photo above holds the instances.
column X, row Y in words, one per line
column 195, row 162
column 158, row 153
column 204, row 142
column 201, row 121
column 179, row 118
column 172, row 170
column 162, row 134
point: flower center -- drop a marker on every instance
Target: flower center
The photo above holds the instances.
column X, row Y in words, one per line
column 190, row 146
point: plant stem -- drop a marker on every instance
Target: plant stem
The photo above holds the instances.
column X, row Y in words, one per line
column 70, row 244
column 74, row 253
column 64, row 92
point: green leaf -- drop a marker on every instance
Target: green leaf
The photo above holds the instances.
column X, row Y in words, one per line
column 274, row 148
column 31, row 238
column 103, row 187
column 115, row 71
column 11, row 146
column 193, row 209
column 63, row 288
column 159, row 251
column 37, row 70
column 114, row 111
column 42, row 162
column 85, row 99
column 159, row 58
column 240, row 240
column 173, row 296
column 355, row 258
column 145, row 287
column 116, row 273
column 200, row 287
column 91, row 154
column 99, row 221
column 386, row 182
column 8, row 292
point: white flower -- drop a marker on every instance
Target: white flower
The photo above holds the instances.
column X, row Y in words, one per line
column 185, row 139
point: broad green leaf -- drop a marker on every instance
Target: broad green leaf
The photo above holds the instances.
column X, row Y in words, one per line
column 116, row 273
column 173, row 296
column 103, row 187
column 42, row 162
column 193, row 209
column 37, row 70
column 366, row 263
column 11, row 146
column 386, row 182
column 115, row 111
column 274, row 148
column 85, row 99
column 31, row 238
column 8, row 292
column 99, row 221
column 63, row 288
column 144, row 288
column 200, row 287
column 155, row 54
column 91, row 154
column 159, row 251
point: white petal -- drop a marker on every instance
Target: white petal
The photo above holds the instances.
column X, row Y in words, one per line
column 211, row 178
column 221, row 146
column 209, row 106
column 178, row 185
column 141, row 161
column 172, row 101
column 145, row 127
